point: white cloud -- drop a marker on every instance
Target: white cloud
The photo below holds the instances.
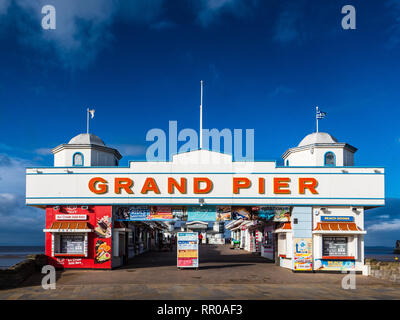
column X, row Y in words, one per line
column 4, row 5
column 279, row 90
column 385, row 216
column 43, row 151
column 17, row 221
column 82, row 27
column 210, row 10
column 394, row 30
column 385, row 226
column 288, row 27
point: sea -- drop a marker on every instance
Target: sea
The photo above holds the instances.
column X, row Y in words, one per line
column 381, row 253
column 11, row 255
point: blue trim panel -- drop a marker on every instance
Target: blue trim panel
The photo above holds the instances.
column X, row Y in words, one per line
column 198, row 173
column 204, row 198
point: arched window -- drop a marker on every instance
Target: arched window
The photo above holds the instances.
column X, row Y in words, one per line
column 287, row 163
column 330, row 159
column 77, row 159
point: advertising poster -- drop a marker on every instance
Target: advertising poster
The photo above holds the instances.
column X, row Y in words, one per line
column 276, row 213
column 160, row 213
column 133, row 213
column 205, row 213
column 102, row 251
column 335, row 265
column 188, row 250
column 179, row 213
column 224, row 213
column 138, row 213
column 241, row 213
column 282, row 214
column 302, row 254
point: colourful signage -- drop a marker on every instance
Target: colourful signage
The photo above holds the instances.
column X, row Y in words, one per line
column 202, row 213
column 133, row 213
column 188, row 250
column 241, row 213
column 160, row 213
column 335, row 265
column 303, row 254
column 224, row 213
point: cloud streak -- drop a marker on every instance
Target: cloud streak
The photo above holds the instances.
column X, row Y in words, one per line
column 82, row 27
column 385, row 226
column 17, row 220
column 288, row 27
column 210, row 10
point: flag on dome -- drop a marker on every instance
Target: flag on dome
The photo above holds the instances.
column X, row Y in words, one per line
column 320, row 114
column 91, row 113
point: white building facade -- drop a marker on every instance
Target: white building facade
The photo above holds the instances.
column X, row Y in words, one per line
column 326, row 193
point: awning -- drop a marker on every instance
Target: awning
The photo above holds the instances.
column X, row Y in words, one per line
column 284, row 227
column 69, row 226
column 338, row 227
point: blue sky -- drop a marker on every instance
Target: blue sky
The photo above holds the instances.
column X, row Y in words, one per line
column 266, row 64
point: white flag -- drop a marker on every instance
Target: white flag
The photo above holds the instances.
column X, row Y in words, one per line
column 91, row 113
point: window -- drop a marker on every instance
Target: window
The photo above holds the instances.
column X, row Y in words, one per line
column 77, row 159
column 287, row 163
column 330, row 159
column 334, row 246
column 72, row 244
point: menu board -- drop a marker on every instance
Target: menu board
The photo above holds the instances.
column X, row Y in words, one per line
column 334, row 246
column 72, row 244
column 188, row 250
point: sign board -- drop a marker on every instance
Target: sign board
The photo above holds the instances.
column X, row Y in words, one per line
column 225, row 183
column 334, row 265
column 334, row 246
column 302, row 254
column 161, row 213
column 202, row 213
column 188, row 250
column 337, row 219
column 72, row 244
column 71, row 217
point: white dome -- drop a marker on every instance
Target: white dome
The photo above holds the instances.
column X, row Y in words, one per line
column 317, row 137
column 86, row 138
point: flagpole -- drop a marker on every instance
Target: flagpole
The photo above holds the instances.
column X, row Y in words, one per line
column 87, row 116
column 201, row 116
column 316, row 117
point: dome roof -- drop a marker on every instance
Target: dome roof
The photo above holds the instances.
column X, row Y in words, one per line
column 317, row 137
column 86, row 138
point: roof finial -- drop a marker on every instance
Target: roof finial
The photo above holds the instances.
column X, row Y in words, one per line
column 201, row 115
